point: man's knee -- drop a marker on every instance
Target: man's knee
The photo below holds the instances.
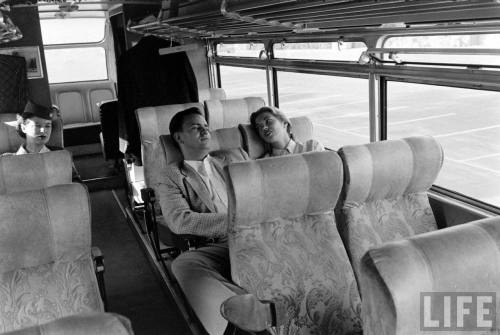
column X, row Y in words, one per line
column 185, row 264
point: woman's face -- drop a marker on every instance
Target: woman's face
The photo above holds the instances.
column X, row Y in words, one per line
column 271, row 129
column 37, row 130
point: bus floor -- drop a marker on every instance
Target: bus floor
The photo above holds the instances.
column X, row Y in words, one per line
column 132, row 288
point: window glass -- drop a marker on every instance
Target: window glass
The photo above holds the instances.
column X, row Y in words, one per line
column 241, row 49
column 69, row 31
column 467, row 124
column 459, row 42
column 76, row 64
column 346, row 51
column 241, row 82
column 337, row 106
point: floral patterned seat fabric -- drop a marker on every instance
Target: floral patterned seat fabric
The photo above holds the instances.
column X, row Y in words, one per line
column 46, row 269
column 284, row 245
column 385, row 192
column 34, row 171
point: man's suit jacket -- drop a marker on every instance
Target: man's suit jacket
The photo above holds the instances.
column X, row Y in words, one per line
column 185, row 200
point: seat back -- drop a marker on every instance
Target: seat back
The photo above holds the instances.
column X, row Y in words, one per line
column 385, row 192
column 212, row 93
column 231, row 112
column 458, row 259
column 10, row 141
column 283, row 243
column 108, row 113
column 302, row 129
column 45, row 256
column 222, row 139
column 153, row 122
column 34, row 171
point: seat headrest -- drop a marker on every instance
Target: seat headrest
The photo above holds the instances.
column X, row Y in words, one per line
column 34, row 171
column 222, row 139
column 390, row 168
column 171, row 151
column 302, row 129
column 212, row 94
column 285, row 186
column 231, row 112
column 226, row 138
column 458, row 259
column 10, row 141
column 43, row 225
column 154, row 121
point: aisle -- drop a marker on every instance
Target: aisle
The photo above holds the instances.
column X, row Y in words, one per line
column 132, row 288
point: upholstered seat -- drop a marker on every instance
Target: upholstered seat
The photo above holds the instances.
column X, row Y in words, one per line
column 34, row 171
column 283, row 241
column 10, row 139
column 385, row 192
column 302, row 129
column 231, row 112
column 153, row 122
column 221, row 139
column 463, row 260
column 83, row 324
column 46, row 268
column 213, row 93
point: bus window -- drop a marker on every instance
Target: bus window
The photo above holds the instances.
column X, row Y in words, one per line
column 240, row 50
column 71, row 31
column 340, row 51
column 76, row 64
column 239, row 82
column 73, row 49
column 337, row 106
column 467, row 124
column 455, row 48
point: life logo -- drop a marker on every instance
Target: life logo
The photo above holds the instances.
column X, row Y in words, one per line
column 457, row 311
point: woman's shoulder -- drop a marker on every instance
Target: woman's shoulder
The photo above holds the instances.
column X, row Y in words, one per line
column 313, row 145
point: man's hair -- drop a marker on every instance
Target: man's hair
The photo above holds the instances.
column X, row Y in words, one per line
column 178, row 120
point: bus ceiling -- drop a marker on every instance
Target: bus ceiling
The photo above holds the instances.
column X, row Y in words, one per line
column 221, row 19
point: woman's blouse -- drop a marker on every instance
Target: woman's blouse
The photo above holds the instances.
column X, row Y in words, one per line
column 296, row 147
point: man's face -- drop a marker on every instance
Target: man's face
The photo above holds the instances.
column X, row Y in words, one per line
column 195, row 134
column 37, row 129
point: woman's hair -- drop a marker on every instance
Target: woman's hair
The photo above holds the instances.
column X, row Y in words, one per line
column 277, row 113
column 31, row 110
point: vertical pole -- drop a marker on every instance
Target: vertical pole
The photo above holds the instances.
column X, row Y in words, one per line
column 373, row 110
column 269, row 86
column 383, row 108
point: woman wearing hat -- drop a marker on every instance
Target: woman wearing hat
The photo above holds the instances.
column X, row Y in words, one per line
column 35, row 126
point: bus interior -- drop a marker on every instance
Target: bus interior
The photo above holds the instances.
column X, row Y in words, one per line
column 346, row 72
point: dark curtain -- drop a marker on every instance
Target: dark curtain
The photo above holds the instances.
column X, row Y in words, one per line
column 147, row 79
column 13, row 84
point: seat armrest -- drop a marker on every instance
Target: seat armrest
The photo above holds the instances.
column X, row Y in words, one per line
column 148, row 195
column 98, row 259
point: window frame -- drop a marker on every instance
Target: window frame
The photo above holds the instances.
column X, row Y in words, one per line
column 104, row 44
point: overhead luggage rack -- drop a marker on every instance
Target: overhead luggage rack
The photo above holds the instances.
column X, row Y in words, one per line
column 228, row 18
